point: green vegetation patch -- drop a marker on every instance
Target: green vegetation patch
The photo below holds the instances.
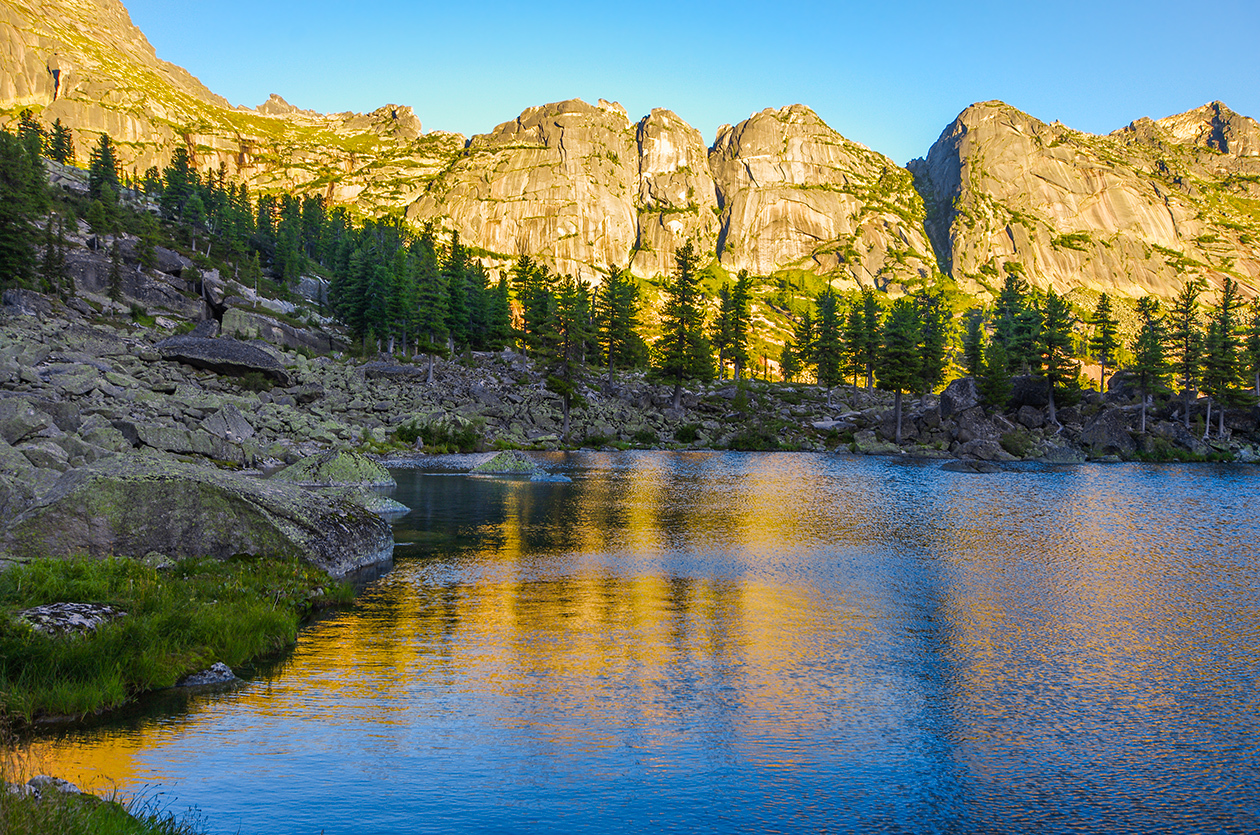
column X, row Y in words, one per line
column 178, row 621
column 56, row 813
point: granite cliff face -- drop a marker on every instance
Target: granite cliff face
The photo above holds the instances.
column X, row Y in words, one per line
column 1141, row 209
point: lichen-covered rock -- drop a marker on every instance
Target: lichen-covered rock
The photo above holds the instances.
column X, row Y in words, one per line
column 1108, row 434
column 223, row 356
column 959, row 396
column 508, row 462
column 63, row 618
column 140, row 503
column 337, row 468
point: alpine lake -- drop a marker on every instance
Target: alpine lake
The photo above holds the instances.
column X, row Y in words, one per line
column 747, row 642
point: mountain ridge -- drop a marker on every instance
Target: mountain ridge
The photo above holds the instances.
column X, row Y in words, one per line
column 583, row 187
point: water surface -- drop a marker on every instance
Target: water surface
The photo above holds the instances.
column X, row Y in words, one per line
column 755, row 642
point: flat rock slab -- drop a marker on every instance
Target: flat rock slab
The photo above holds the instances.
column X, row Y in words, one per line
column 392, row 371
column 133, row 505
column 223, row 356
column 67, row 618
column 971, row 466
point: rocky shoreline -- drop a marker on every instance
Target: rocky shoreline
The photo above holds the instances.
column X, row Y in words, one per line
column 99, row 411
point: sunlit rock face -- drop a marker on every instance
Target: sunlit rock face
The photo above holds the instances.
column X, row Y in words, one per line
column 795, row 193
column 558, row 182
column 1139, row 210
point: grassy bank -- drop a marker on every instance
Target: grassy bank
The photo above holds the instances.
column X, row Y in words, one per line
column 179, row 620
column 58, row 814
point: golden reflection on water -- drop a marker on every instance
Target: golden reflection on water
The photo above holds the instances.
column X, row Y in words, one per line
column 788, row 599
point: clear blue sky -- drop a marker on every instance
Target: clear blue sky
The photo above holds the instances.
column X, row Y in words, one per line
column 890, row 75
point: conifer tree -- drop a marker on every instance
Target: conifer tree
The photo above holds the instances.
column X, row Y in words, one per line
column 994, row 380
column 1222, row 348
column 430, row 300
column 617, row 320
column 870, row 342
column 1253, row 345
column 103, row 170
column 569, row 329
column 973, row 342
column 720, row 334
column 1104, row 341
column 741, row 305
column 852, row 338
column 17, row 258
column 934, row 338
column 1055, row 345
column 827, row 353
column 1186, row 339
column 683, row 350
column 805, row 341
column 1150, row 360
column 789, row 365
column 61, row 144
column 899, row 361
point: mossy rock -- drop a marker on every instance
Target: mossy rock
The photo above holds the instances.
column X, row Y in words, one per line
column 508, row 462
column 337, row 468
column 133, row 505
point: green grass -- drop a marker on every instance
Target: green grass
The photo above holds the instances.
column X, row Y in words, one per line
column 87, row 815
column 179, row 621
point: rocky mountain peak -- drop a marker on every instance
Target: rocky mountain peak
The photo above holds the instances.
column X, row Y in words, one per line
column 1217, row 127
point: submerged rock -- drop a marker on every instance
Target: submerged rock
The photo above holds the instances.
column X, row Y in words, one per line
column 971, row 466
column 141, row 503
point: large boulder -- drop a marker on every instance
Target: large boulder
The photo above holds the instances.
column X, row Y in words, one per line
column 1108, row 434
column 508, row 462
column 223, row 356
column 959, row 396
column 133, row 505
column 337, row 468
column 1028, row 390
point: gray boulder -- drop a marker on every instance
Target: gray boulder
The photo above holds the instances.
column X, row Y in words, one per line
column 337, row 468
column 66, row 618
column 973, row 424
column 219, row 673
column 984, row 450
column 223, row 356
column 508, row 462
column 139, row 503
column 1027, row 390
column 959, row 396
column 1108, row 434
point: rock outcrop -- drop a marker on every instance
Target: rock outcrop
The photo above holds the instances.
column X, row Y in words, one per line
column 1137, row 211
column 223, row 355
column 132, row 505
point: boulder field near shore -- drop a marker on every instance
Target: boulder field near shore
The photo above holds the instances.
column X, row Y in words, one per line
column 112, row 442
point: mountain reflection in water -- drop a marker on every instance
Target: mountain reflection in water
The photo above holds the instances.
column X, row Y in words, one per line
column 755, row 642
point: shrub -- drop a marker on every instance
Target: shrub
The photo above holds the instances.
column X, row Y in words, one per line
column 644, row 436
column 687, row 433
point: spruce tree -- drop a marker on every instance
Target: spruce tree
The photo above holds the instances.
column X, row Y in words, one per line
column 789, row 365
column 937, row 331
column 569, row 329
column 17, row 258
column 994, row 381
column 1253, row 345
column 899, row 361
column 1223, row 347
column 1186, row 339
column 741, row 305
column 827, row 348
column 870, row 342
column 852, row 338
column 103, row 170
column 1055, row 344
column 430, row 301
column 805, row 341
column 616, row 317
column 1150, row 360
column 1104, row 341
column 720, row 333
column 683, row 350
column 61, row 144
column 973, row 342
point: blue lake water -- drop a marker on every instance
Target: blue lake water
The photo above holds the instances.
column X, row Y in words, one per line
column 730, row 642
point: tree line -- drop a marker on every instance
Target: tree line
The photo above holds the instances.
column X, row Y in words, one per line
column 398, row 289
